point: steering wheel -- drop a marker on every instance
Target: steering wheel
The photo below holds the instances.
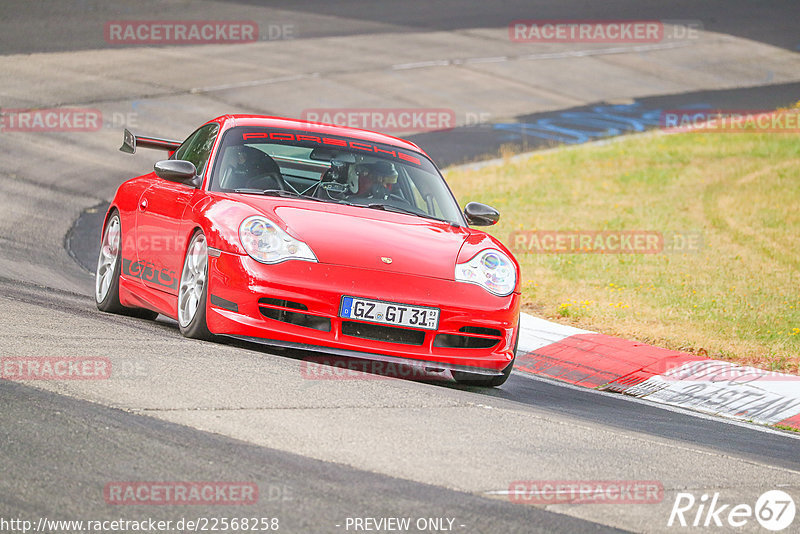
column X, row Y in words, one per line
column 395, row 199
column 266, row 180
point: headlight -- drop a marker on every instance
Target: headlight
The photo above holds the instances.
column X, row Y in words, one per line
column 491, row 269
column 264, row 241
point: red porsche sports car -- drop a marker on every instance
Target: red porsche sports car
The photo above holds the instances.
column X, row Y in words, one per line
column 316, row 237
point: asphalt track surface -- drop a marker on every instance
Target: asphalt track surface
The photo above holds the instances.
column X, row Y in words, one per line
column 306, row 495
column 324, row 451
column 73, row 25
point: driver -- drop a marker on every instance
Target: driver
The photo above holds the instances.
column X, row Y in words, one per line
column 252, row 168
column 243, row 160
column 372, row 180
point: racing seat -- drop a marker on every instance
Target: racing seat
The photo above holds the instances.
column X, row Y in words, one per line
column 257, row 171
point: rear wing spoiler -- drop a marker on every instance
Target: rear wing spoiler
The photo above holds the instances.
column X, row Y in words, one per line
column 131, row 141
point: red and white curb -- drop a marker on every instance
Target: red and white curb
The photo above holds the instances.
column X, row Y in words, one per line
column 608, row 363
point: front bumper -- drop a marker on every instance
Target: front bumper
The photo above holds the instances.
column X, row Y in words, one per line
column 296, row 303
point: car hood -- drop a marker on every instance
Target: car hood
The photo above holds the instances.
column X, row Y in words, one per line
column 372, row 239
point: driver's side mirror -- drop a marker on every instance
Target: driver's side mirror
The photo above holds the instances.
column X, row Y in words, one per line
column 177, row 170
column 478, row 214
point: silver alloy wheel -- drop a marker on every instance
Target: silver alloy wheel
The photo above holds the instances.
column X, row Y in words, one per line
column 193, row 280
column 107, row 260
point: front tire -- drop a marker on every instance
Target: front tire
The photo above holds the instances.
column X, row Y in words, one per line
column 483, row 381
column 472, row 379
column 106, row 280
column 193, row 290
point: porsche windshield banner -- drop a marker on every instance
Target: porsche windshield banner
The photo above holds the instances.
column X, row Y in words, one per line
column 309, row 139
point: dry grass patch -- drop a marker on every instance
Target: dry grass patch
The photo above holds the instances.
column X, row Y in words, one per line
column 737, row 296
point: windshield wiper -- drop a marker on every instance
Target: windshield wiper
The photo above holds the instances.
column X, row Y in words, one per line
column 276, row 193
column 397, row 209
column 268, row 192
column 290, row 194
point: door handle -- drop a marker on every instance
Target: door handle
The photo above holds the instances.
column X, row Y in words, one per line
column 143, row 204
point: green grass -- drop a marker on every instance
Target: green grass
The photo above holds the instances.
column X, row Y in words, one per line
column 737, row 296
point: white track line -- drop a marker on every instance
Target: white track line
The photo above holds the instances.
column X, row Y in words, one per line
column 534, row 57
column 452, row 62
column 254, row 83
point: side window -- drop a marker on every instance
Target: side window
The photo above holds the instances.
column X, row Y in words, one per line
column 197, row 148
column 423, row 199
column 419, row 201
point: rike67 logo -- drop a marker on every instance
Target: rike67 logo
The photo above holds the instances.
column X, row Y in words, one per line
column 774, row 510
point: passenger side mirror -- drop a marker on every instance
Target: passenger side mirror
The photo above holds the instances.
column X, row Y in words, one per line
column 478, row 214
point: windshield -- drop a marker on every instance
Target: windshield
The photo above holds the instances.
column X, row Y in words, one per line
column 332, row 169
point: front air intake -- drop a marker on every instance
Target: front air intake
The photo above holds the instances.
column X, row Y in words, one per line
column 282, row 310
column 377, row 332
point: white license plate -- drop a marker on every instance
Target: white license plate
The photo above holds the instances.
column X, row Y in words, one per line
column 378, row 311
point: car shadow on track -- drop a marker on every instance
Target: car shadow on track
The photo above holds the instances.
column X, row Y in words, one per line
column 315, row 365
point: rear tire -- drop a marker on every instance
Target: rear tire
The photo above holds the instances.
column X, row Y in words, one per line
column 109, row 262
column 193, row 290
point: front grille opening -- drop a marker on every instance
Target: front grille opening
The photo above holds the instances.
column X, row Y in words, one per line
column 322, row 324
column 454, row 341
column 378, row 332
column 283, row 303
column 481, row 331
